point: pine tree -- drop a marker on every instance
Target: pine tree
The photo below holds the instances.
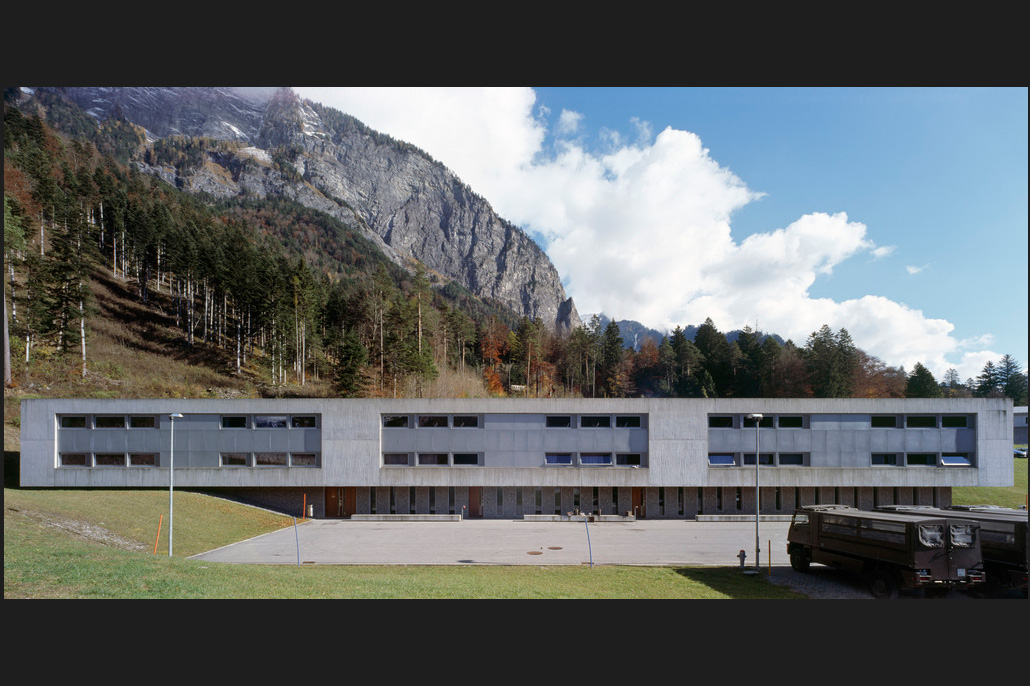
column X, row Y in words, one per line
column 921, row 384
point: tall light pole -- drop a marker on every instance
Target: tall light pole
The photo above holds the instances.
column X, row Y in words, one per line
column 171, row 473
column 757, row 418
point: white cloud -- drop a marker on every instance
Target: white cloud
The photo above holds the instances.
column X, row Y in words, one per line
column 568, row 123
column 913, row 270
column 642, row 230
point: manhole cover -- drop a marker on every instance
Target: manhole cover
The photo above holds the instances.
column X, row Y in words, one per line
column 554, row 547
column 534, row 552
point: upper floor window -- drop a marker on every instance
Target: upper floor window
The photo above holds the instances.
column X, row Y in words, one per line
column 109, row 422
column 303, row 421
column 627, row 422
column 466, row 421
column 559, row 421
column 142, row 422
column 883, row 422
column 955, row 422
column 73, row 422
column 595, row 422
column 720, row 422
column 395, row 421
column 270, row 421
column 234, row 422
column 433, row 421
column 921, row 422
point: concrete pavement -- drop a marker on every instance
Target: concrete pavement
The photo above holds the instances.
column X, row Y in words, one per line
column 510, row 542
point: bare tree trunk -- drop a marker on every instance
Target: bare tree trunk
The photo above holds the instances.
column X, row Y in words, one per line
column 7, row 348
column 82, row 336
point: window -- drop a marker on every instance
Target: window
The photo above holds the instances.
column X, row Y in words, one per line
column 720, row 422
column 466, row 459
column 235, row 459
column 270, row 422
column 466, row 421
column 396, row 459
column 955, row 460
column 395, row 421
column 921, row 422
column 303, row 421
column 433, row 422
column 921, row 459
column 885, row 459
column 963, row 535
column 558, row 458
column 791, row 459
column 234, row 422
column 75, row 460
column 270, row 459
column 959, row 422
column 931, row 535
column 303, row 460
column 721, row 460
column 627, row 422
column 559, row 422
column 766, row 422
column 628, row 459
column 883, row 422
column 142, row 459
column 595, row 458
column 109, row 422
column 109, row 460
column 143, row 422
column 433, row 459
column 791, row 422
column 767, row 458
column 595, row 422
column 73, row 422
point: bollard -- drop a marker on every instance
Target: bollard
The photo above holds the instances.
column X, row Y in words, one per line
column 742, row 555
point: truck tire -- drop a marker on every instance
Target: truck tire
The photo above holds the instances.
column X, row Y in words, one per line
column 799, row 560
column 883, row 585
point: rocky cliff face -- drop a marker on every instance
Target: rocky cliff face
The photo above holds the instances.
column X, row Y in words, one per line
column 409, row 205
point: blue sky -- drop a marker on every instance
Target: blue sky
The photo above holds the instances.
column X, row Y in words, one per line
column 897, row 213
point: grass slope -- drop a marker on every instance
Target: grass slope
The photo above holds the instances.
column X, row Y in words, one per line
column 100, row 544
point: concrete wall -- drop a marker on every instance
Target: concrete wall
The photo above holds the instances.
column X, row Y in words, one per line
column 675, row 439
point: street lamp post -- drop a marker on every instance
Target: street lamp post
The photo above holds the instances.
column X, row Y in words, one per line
column 757, row 418
column 171, row 473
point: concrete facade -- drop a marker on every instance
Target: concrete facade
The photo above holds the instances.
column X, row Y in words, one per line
column 505, row 458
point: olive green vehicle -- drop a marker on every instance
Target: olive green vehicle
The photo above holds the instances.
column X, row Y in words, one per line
column 1004, row 540
column 892, row 551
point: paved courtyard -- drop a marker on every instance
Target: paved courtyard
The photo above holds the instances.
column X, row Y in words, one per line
column 510, row 542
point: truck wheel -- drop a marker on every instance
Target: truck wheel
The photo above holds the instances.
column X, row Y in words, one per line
column 882, row 585
column 799, row 560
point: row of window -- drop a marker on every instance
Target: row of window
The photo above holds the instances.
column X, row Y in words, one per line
column 133, row 421
column 477, row 459
column 876, row 459
column 112, row 421
column 796, row 421
column 268, row 459
column 108, row 459
column 270, row 421
column 151, row 459
column 764, row 459
column 566, row 421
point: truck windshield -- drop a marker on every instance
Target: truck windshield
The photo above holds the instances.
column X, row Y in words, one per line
column 931, row 535
column 963, row 535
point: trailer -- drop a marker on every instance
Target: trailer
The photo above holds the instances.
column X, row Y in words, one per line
column 1004, row 540
column 891, row 551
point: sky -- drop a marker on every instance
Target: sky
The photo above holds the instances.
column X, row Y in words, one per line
column 899, row 214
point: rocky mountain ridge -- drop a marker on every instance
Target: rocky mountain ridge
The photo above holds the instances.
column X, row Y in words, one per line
column 409, row 205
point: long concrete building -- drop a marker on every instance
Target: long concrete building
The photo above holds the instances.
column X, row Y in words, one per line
column 507, row 458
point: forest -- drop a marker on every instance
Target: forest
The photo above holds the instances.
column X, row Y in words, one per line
column 292, row 295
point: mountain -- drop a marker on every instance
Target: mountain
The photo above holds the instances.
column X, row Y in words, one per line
column 633, row 333
column 262, row 143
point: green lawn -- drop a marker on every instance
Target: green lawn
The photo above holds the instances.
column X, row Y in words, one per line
column 100, row 544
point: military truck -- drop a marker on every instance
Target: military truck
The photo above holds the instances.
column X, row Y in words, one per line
column 1004, row 540
column 892, row 551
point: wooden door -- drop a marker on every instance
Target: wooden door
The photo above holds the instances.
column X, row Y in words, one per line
column 349, row 500
column 475, row 501
column 639, row 503
column 332, row 502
